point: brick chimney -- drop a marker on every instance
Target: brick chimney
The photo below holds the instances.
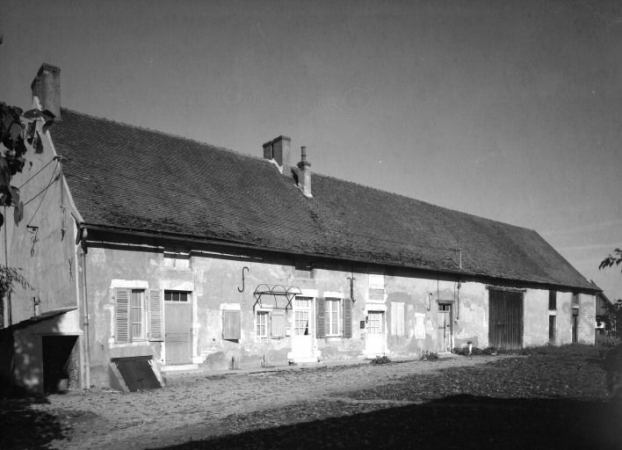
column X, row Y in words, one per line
column 304, row 173
column 277, row 150
column 46, row 87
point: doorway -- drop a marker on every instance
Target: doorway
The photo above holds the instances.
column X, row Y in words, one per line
column 177, row 327
column 60, row 363
column 505, row 325
column 374, row 343
column 445, row 328
column 303, row 330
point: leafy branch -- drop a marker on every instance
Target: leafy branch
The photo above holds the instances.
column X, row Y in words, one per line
column 614, row 259
column 17, row 129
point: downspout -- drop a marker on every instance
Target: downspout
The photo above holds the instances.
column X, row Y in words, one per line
column 87, row 346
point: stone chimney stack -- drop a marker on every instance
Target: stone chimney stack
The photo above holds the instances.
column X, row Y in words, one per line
column 46, row 87
column 304, row 173
column 278, row 150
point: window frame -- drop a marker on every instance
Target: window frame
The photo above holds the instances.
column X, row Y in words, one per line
column 337, row 304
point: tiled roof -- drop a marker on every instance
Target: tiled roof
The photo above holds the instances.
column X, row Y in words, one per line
column 124, row 176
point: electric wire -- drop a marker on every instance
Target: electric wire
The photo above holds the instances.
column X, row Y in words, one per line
column 44, row 192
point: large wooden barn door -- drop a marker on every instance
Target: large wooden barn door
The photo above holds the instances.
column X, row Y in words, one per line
column 506, row 319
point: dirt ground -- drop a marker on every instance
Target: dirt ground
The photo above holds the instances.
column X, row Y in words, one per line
column 539, row 401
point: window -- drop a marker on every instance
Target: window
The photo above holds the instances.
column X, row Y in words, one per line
column 270, row 324
column 136, row 319
column 176, row 258
column 262, row 324
column 374, row 322
column 376, row 287
column 176, row 296
column 552, row 300
column 137, row 314
column 333, row 317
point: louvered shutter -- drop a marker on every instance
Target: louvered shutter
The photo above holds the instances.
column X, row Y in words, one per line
column 347, row 317
column 231, row 325
column 278, row 324
column 155, row 315
column 122, row 315
column 321, row 318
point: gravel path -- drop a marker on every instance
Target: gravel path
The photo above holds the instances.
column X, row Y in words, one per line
column 285, row 408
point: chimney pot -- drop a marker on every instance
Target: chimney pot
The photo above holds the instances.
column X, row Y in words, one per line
column 46, row 87
column 304, row 173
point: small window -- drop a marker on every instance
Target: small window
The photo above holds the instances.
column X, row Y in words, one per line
column 552, row 300
column 176, row 296
column 178, row 259
column 376, row 282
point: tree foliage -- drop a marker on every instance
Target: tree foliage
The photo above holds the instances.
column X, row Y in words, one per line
column 18, row 131
column 9, row 277
column 614, row 259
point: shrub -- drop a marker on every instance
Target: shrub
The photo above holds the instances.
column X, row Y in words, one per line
column 429, row 356
column 384, row 359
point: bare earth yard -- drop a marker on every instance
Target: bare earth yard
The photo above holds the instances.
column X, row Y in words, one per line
column 551, row 399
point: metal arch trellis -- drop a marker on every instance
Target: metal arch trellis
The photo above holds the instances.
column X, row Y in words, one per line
column 275, row 292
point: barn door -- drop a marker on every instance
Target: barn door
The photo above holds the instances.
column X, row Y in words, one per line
column 506, row 319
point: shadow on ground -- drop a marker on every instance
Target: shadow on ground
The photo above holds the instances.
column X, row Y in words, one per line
column 22, row 427
column 458, row 422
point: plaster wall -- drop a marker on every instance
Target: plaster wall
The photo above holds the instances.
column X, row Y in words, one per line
column 535, row 317
column 587, row 319
column 42, row 245
column 219, row 282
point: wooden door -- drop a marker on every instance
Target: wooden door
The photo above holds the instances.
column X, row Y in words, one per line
column 374, row 343
column 304, row 330
column 505, row 319
column 178, row 331
column 444, row 327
